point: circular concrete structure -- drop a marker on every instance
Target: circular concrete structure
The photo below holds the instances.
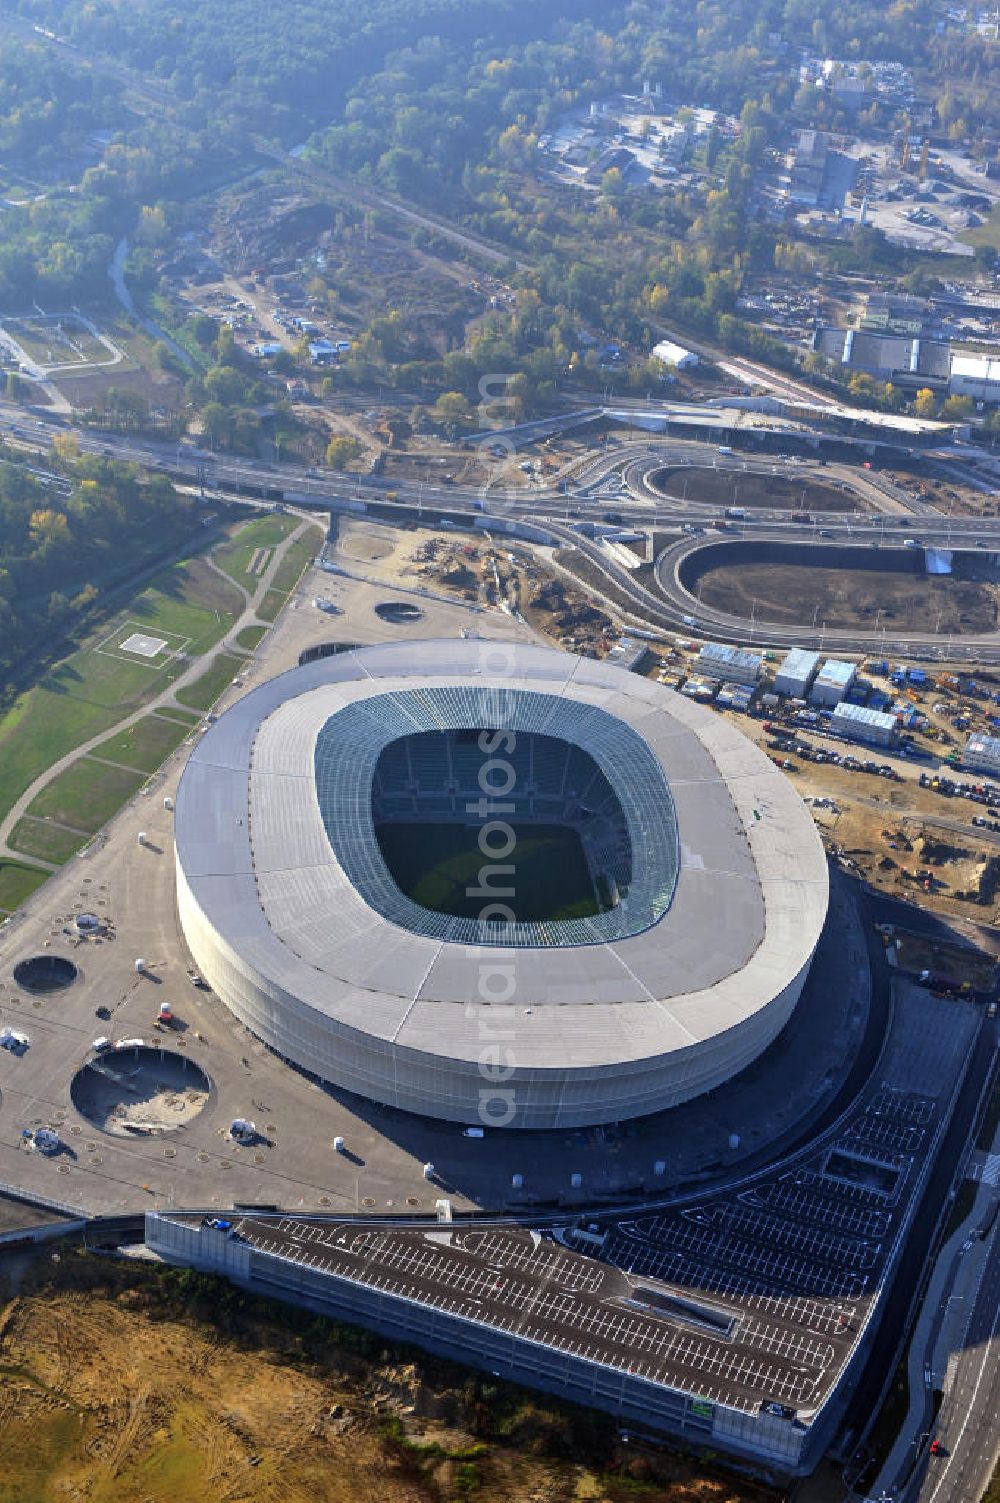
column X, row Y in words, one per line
column 140, row 1091
column 40, row 974
column 709, row 885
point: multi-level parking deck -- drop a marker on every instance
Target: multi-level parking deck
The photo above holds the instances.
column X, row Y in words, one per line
column 733, row 1317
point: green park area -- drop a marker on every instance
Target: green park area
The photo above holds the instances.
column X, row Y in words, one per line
column 127, row 663
column 17, row 882
column 202, row 694
column 288, row 573
column 187, row 607
column 144, row 745
column 257, row 538
column 39, row 837
column 86, row 794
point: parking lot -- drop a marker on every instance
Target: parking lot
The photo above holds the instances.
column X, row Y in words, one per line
column 523, row 1283
column 753, row 1297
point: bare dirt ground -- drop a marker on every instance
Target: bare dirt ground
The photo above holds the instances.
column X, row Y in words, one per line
column 125, row 1384
column 790, row 594
column 954, row 499
column 366, row 549
column 730, row 487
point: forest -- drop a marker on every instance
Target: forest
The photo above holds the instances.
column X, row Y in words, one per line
column 59, row 546
column 441, row 103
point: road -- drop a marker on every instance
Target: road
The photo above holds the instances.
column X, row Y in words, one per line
column 967, row 1423
column 669, row 608
column 116, row 271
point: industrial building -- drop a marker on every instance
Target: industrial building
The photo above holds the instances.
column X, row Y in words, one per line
column 730, row 665
column 809, row 166
column 833, row 682
column 796, row 674
column 908, row 362
column 674, row 354
column 305, row 935
column 894, row 313
column 982, row 754
column 975, row 376
column 858, row 723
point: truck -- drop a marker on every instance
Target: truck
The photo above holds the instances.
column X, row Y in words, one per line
column 720, row 525
column 801, row 516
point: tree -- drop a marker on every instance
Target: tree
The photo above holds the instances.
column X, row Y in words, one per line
column 957, row 409
column 925, row 403
column 340, row 451
column 452, row 409
column 204, row 329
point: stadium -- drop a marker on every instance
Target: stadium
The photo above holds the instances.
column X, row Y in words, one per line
column 495, row 884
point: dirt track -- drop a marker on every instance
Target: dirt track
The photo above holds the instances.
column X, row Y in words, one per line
column 790, row 594
column 730, row 487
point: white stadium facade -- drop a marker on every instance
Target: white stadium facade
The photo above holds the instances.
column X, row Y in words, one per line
column 710, row 884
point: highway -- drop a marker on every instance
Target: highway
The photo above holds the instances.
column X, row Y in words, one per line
column 609, row 484
column 967, row 1427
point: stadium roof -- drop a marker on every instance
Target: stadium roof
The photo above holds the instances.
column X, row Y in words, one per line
column 349, row 744
column 254, row 856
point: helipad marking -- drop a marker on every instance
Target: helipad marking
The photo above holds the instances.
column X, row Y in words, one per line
column 143, row 646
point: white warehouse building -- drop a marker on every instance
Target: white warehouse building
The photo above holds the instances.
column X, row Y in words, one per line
column 674, row 354
column 730, row 665
column 796, row 673
column 982, row 754
column 858, row 723
column 833, row 682
column 975, row 376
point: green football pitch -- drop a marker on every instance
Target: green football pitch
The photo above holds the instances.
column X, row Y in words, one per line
column 436, row 865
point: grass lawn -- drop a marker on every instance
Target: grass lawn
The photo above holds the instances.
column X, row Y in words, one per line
column 435, row 865
column 203, row 693
column 271, row 605
column 36, row 837
column 297, row 556
column 233, row 558
column 17, row 882
column 91, row 689
column 145, row 744
column 188, row 600
column 987, row 233
column 86, row 794
column 250, row 637
column 182, row 717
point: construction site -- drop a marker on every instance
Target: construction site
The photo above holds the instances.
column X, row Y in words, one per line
column 862, row 585
column 730, row 487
